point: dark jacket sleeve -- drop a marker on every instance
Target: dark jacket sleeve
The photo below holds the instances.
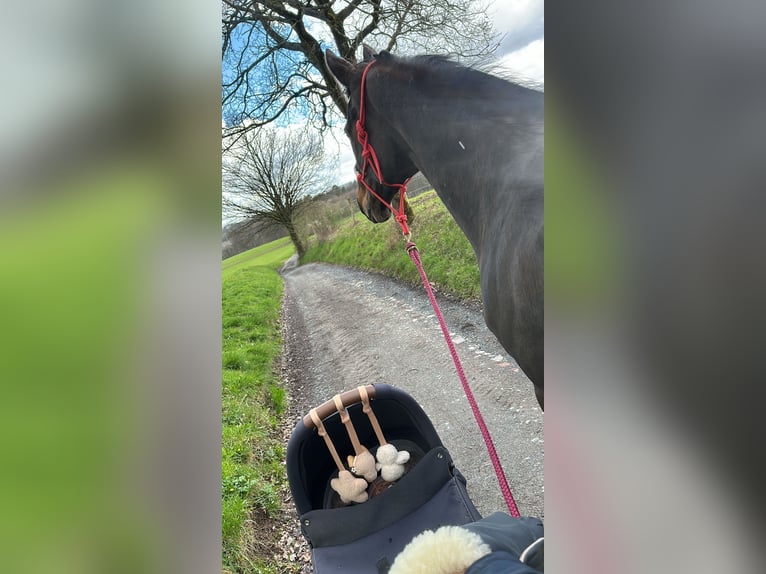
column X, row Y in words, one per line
column 511, row 536
column 500, row 563
column 502, row 532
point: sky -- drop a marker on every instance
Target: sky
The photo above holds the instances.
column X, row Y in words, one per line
column 521, row 21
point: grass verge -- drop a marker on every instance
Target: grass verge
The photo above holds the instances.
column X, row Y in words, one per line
column 253, row 401
column 447, row 255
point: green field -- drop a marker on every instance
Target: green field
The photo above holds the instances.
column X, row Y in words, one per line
column 447, row 255
column 270, row 255
column 253, row 400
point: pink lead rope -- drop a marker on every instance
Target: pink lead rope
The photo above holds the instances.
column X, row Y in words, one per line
column 371, row 159
column 412, row 250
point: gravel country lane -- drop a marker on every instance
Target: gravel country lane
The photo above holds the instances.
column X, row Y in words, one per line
column 343, row 328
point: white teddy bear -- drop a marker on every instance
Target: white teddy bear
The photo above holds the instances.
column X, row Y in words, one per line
column 391, row 462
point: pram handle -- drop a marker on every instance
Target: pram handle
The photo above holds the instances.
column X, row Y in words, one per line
column 328, row 407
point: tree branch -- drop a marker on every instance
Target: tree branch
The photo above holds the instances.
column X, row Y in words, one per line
column 272, row 50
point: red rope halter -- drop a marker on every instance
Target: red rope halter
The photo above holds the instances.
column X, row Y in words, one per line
column 371, row 159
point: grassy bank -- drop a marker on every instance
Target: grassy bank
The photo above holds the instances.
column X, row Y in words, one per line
column 447, row 256
column 270, row 255
column 253, row 401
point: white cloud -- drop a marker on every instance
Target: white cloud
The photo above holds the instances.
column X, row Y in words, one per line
column 337, row 146
column 527, row 63
column 521, row 21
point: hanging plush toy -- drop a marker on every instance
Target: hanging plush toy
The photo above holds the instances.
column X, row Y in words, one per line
column 390, row 461
column 349, row 488
column 363, row 464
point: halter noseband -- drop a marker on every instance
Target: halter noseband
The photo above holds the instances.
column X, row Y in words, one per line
column 371, row 158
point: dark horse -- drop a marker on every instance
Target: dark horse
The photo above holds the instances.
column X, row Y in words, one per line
column 478, row 139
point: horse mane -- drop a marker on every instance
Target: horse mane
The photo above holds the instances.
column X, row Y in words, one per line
column 438, row 72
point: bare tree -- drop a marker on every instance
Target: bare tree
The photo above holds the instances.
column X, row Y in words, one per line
column 268, row 172
column 273, row 62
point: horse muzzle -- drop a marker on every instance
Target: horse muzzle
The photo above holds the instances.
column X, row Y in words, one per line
column 371, row 207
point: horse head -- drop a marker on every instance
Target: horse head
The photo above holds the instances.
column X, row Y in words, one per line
column 390, row 152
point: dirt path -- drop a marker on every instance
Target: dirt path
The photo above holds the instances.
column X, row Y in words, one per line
column 343, row 328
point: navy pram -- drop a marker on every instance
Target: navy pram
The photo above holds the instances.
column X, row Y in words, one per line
column 365, row 538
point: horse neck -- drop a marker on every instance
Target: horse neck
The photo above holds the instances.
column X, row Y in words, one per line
column 455, row 142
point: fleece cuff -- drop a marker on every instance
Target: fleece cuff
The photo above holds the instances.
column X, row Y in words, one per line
column 448, row 550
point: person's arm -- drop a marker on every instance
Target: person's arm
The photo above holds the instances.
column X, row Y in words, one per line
column 488, row 546
column 500, row 562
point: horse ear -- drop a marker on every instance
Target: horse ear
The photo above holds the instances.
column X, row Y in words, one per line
column 367, row 52
column 340, row 67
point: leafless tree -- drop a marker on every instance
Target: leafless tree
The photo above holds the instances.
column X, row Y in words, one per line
column 273, row 61
column 268, row 172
